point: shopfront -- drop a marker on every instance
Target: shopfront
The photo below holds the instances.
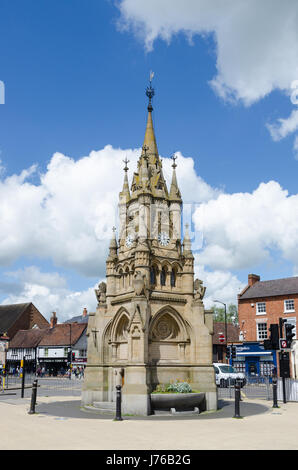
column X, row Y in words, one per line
column 253, row 360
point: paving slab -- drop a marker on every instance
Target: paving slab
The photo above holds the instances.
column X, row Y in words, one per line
column 60, row 423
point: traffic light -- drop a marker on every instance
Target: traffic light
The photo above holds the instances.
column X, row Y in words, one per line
column 234, row 352
column 69, row 356
column 289, row 334
column 228, row 352
column 73, row 356
column 273, row 342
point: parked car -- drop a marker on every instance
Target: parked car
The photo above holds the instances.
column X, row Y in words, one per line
column 226, row 375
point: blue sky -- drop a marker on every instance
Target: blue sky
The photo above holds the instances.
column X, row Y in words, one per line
column 75, row 74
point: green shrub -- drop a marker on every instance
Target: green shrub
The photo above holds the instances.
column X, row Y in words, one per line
column 179, row 387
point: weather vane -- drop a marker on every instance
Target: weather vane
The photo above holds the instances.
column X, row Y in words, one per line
column 150, row 91
column 174, row 158
column 126, row 162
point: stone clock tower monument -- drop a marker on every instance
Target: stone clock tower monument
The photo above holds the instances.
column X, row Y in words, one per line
column 150, row 326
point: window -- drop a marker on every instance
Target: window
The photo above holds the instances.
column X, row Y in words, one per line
column 261, row 331
column 261, row 308
column 289, row 306
column 163, row 275
column 173, row 278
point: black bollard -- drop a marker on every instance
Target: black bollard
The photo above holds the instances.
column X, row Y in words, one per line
column 237, row 399
column 118, row 403
column 274, row 389
column 23, row 381
column 33, row 398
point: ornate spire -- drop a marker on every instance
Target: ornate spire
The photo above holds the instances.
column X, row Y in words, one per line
column 149, row 140
column 125, row 193
column 149, row 176
column 175, row 194
column 187, row 252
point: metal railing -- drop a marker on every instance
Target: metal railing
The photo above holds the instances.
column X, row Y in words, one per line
column 47, row 385
column 260, row 387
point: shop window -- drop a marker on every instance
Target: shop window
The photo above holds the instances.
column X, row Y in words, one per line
column 261, row 308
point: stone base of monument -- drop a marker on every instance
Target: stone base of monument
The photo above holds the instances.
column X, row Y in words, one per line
column 178, row 402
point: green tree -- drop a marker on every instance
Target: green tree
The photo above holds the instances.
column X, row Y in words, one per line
column 219, row 313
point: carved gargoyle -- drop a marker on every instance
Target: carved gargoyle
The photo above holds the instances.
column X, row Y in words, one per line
column 101, row 293
column 199, row 289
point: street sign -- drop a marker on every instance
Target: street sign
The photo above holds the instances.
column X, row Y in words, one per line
column 221, row 337
column 283, row 344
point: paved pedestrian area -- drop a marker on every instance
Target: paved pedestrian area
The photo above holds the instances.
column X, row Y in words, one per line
column 61, row 423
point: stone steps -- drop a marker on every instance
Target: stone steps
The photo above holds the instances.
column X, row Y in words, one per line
column 105, row 406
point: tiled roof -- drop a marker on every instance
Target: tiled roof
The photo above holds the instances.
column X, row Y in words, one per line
column 78, row 319
column 286, row 286
column 232, row 332
column 27, row 338
column 9, row 314
column 63, row 334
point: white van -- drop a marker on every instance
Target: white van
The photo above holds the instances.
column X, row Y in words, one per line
column 226, row 375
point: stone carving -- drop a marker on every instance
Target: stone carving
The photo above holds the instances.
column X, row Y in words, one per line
column 101, row 293
column 199, row 289
column 139, row 283
column 165, row 329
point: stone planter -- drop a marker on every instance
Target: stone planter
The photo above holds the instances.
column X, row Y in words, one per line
column 179, row 401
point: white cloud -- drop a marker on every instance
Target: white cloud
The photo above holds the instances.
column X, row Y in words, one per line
column 256, row 41
column 49, row 293
column 220, row 285
column 243, row 229
column 284, row 127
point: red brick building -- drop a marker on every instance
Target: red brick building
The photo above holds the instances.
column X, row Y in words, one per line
column 264, row 302
column 15, row 317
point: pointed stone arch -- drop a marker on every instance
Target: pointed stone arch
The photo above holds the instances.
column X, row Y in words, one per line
column 171, row 315
column 169, row 337
column 119, row 335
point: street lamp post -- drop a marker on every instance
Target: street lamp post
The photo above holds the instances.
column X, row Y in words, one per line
column 226, row 326
column 70, row 351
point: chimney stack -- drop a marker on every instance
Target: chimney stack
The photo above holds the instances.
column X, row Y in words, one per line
column 53, row 320
column 252, row 279
column 85, row 312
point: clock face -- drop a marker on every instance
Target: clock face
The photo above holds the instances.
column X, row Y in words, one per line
column 163, row 238
column 129, row 240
